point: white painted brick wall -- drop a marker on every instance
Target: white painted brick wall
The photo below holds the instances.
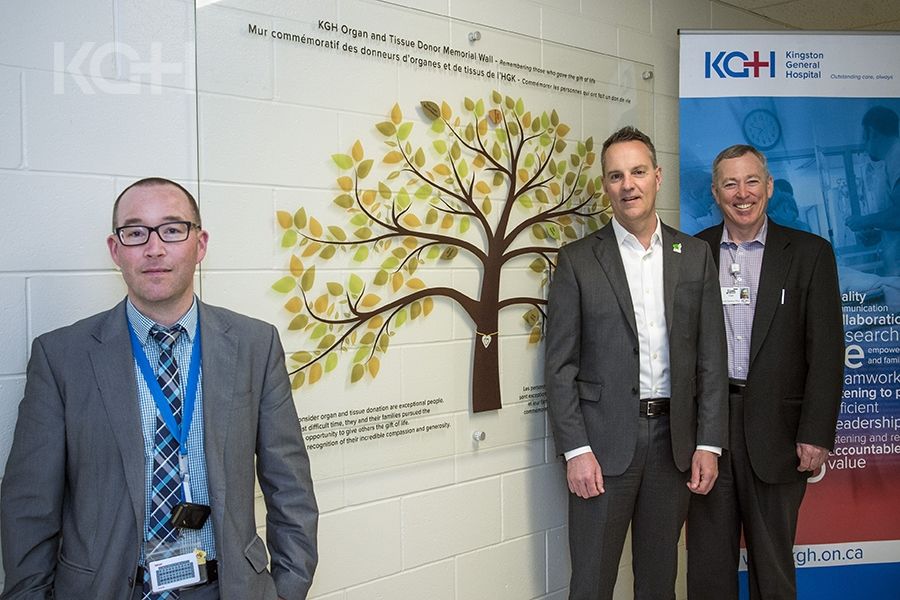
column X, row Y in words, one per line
column 443, row 518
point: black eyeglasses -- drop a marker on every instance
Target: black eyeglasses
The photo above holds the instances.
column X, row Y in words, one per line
column 138, row 235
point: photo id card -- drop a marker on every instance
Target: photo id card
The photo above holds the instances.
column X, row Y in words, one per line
column 735, row 294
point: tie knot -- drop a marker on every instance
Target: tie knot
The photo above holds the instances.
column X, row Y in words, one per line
column 166, row 338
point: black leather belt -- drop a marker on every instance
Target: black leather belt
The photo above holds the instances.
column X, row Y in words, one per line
column 736, row 386
column 212, row 573
column 654, row 407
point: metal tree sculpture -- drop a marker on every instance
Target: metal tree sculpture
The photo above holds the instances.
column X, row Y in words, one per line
column 495, row 183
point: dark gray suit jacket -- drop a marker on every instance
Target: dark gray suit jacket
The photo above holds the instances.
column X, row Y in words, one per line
column 592, row 370
column 74, row 489
column 796, row 370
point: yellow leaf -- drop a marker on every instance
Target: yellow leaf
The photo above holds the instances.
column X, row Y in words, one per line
column 345, row 183
column 447, row 222
column 294, row 304
column 296, row 266
column 321, row 304
column 370, row 300
column 427, row 306
column 396, row 115
column 411, row 220
column 311, row 249
column 442, row 169
column 368, row 197
column 483, row 187
column 415, row 283
column 410, row 242
column 357, row 151
column 375, row 322
column 523, row 175
column 285, row 220
column 315, row 227
column 396, row 281
column 446, row 112
column 373, row 366
column 315, row 373
column 393, row 157
column 535, row 336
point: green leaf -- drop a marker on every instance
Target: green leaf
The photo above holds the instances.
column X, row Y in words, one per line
column 364, row 167
column 423, row 192
column 356, row 284
column 300, row 218
column 357, row 372
column 331, row 362
column 327, row 252
column 464, row 224
column 318, row 331
column 361, row 254
column 440, row 146
column 344, row 201
column 386, row 128
column 289, row 238
column 381, row 277
column 404, row 131
column 298, row 322
column 343, row 161
column 308, row 279
column 284, row 285
column 520, row 107
column 337, row 232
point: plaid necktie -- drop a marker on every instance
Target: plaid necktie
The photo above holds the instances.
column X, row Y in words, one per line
column 165, row 480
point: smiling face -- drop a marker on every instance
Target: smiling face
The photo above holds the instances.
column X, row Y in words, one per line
column 631, row 181
column 742, row 188
column 159, row 275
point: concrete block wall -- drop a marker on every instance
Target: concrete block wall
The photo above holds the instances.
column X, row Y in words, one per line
column 97, row 93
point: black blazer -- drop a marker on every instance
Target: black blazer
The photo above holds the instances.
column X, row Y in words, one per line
column 795, row 379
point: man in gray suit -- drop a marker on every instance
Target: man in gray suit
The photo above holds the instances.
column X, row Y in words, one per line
column 636, row 380
column 125, row 418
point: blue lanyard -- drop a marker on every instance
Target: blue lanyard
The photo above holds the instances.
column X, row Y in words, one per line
column 162, row 403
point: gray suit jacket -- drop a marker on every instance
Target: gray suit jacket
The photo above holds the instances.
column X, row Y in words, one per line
column 592, row 369
column 73, row 493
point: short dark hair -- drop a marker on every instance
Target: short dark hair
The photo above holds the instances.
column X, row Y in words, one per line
column 737, row 151
column 154, row 181
column 882, row 120
column 627, row 134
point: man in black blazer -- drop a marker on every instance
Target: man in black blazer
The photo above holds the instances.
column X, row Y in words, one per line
column 785, row 352
column 635, row 375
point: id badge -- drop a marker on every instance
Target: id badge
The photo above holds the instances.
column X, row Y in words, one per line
column 174, row 572
column 735, row 294
column 176, row 565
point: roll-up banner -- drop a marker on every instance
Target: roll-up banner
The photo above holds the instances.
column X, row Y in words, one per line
column 823, row 108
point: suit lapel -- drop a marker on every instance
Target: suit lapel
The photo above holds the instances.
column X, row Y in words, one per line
column 219, row 369
column 113, row 365
column 671, row 239
column 606, row 250
column 775, row 266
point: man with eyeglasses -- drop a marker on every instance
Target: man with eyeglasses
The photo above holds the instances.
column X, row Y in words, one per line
column 131, row 473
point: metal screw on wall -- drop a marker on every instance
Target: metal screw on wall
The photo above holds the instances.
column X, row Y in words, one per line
column 479, row 436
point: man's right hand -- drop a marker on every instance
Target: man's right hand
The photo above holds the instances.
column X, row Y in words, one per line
column 584, row 476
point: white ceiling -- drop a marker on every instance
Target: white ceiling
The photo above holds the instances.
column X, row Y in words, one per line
column 840, row 15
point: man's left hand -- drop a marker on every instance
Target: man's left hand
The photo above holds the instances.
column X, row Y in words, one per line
column 704, row 470
column 811, row 457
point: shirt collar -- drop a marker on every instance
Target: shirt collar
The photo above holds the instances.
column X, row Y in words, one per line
column 142, row 324
column 760, row 235
column 623, row 236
